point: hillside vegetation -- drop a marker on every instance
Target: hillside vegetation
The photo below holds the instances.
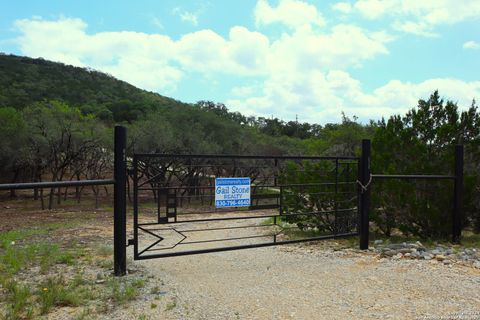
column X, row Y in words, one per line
column 56, row 123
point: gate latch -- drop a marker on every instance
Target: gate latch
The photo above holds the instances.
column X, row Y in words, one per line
column 130, row 242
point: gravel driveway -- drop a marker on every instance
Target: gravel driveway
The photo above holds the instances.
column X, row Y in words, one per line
column 312, row 281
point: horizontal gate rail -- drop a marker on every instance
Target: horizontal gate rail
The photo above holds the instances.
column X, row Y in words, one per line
column 247, row 246
column 413, row 176
column 255, row 217
column 55, row 184
column 225, row 156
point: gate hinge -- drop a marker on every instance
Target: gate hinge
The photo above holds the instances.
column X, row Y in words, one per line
column 130, row 242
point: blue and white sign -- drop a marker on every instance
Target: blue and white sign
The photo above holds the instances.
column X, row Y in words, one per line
column 232, row 192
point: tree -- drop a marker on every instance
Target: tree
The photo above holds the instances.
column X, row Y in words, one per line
column 422, row 142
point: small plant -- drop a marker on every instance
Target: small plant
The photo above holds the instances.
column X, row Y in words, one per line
column 171, row 305
column 104, row 251
column 18, row 297
column 53, row 292
column 122, row 291
column 155, row 290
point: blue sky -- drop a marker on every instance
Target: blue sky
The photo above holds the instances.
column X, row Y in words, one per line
column 286, row 58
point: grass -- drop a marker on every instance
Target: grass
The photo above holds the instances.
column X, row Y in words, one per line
column 170, row 306
column 18, row 297
column 121, row 290
column 55, row 292
column 21, row 252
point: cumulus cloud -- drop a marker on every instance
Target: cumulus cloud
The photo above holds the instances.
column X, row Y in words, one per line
column 471, row 45
column 303, row 71
column 292, row 13
column 343, row 7
column 151, row 61
column 324, row 95
column 156, row 62
column 419, row 17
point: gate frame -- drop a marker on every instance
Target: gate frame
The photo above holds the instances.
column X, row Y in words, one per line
column 136, row 225
column 366, row 178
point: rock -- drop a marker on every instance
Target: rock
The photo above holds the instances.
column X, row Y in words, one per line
column 418, row 243
column 99, row 281
column 396, row 246
column 446, row 262
column 377, row 242
column 476, row 264
column 440, row 257
column 390, row 253
column 427, row 257
column 405, row 250
column 408, row 254
column 435, row 252
column 398, row 256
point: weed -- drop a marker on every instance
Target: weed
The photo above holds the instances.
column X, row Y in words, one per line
column 18, row 296
column 53, row 292
column 155, row 290
column 171, row 305
column 105, row 263
column 153, row 305
column 138, row 283
column 85, row 314
column 121, row 291
column 104, row 251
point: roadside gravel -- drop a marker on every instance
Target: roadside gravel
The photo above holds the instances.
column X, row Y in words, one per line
column 306, row 282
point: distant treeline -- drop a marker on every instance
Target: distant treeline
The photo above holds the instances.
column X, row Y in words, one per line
column 56, row 123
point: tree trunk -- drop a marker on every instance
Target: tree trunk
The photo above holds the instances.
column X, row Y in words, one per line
column 50, row 198
column 41, row 199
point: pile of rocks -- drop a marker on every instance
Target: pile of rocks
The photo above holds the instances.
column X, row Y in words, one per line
column 444, row 254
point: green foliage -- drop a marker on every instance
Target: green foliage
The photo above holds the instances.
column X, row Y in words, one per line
column 422, row 142
column 316, row 204
column 17, row 297
column 54, row 292
column 123, row 290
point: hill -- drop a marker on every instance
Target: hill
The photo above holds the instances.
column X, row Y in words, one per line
column 24, row 81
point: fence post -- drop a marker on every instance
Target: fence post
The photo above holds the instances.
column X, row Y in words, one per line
column 364, row 178
column 458, row 195
column 120, row 203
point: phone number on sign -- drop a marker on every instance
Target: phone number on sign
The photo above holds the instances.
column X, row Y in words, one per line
column 233, row 203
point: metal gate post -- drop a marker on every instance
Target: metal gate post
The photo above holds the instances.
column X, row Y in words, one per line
column 364, row 178
column 120, row 203
column 458, row 195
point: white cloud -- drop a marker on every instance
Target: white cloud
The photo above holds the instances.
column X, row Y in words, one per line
column 324, row 95
column 165, row 61
column 243, row 91
column 420, row 17
column 151, row 61
column 189, row 17
column 343, row 7
column 157, row 23
column 345, row 46
column 292, row 13
column 417, row 28
column 304, row 71
column 471, row 45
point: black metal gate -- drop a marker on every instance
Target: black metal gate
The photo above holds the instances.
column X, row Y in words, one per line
column 292, row 199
